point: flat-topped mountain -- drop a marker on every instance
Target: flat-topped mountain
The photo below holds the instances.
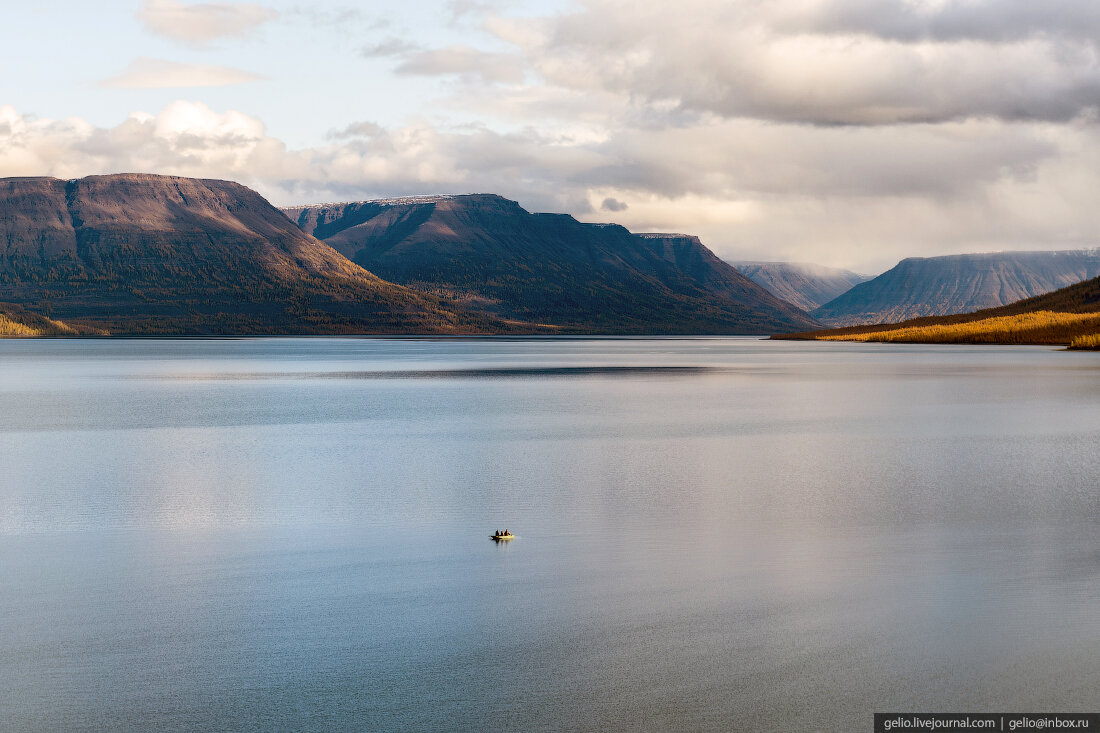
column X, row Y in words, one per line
column 138, row 253
column 802, row 283
column 933, row 286
column 1070, row 315
column 488, row 253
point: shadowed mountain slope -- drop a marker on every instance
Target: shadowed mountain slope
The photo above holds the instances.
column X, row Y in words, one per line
column 802, row 283
column 487, row 252
column 933, row 286
column 138, row 253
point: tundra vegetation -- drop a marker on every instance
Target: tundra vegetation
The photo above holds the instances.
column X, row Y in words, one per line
column 1086, row 343
column 15, row 322
column 1041, row 327
column 1070, row 316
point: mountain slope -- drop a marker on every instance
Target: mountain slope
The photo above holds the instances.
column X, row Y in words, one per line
column 17, row 321
column 1068, row 315
column 487, row 252
column 802, row 283
column 140, row 253
column 935, row 286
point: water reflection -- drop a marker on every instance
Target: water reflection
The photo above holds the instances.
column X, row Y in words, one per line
column 714, row 534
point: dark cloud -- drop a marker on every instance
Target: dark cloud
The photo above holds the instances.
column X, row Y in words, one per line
column 990, row 21
column 611, row 204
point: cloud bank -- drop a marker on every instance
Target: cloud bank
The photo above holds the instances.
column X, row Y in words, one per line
column 849, row 62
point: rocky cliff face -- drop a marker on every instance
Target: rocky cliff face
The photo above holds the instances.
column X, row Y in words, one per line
column 489, row 253
column 936, row 286
column 143, row 253
column 804, row 284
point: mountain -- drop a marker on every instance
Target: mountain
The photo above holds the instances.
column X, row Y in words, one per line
column 933, row 286
column 802, row 283
column 1070, row 315
column 486, row 252
column 139, row 253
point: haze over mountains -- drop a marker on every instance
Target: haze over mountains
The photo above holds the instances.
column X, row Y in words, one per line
column 802, row 283
column 934, row 286
column 487, row 253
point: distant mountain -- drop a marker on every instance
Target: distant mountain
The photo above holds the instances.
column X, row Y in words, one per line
column 933, row 286
column 802, row 283
column 488, row 253
column 1070, row 315
column 159, row 254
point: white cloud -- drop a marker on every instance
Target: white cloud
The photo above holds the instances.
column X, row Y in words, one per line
column 147, row 73
column 185, row 138
column 200, row 24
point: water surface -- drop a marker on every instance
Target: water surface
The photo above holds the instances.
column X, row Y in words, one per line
column 713, row 534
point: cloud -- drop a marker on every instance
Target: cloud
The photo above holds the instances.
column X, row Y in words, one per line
column 611, row 204
column 463, row 61
column 201, row 24
column 992, row 21
column 147, row 73
column 849, row 62
column 188, row 138
column 357, row 129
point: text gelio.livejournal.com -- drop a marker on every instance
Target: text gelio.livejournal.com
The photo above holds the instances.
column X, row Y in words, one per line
column 898, row 722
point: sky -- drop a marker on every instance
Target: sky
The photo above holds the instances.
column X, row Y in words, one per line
column 849, row 133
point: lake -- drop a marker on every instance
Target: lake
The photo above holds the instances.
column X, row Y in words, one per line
column 712, row 534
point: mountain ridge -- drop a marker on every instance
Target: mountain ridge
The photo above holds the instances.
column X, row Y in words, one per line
column 933, row 286
column 489, row 253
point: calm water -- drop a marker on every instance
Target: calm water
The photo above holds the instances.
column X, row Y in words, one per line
column 713, row 534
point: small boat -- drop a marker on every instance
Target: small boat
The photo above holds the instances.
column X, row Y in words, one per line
column 502, row 536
